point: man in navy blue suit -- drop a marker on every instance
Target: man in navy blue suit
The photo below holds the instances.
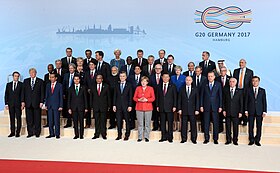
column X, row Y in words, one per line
column 211, row 105
column 54, row 104
column 255, row 109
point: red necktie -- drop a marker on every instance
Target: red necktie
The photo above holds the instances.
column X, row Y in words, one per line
column 157, row 80
column 98, row 90
column 91, row 75
column 164, row 90
column 52, row 87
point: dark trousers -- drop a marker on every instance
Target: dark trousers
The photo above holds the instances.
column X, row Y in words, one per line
column 15, row 113
column 78, row 119
column 215, row 118
column 88, row 118
column 244, row 118
column 123, row 114
column 112, row 117
column 184, row 131
column 132, row 118
column 33, row 120
column 201, row 118
column 65, row 113
column 221, row 124
column 259, row 120
column 54, row 121
column 234, row 121
column 100, row 123
column 169, row 116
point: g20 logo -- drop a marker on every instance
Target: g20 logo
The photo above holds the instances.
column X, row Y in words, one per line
column 231, row 17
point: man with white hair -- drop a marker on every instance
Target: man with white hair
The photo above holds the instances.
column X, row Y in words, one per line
column 232, row 110
column 244, row 77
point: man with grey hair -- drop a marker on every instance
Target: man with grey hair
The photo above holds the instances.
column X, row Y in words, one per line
column 59, row 70
column 244, row 77
column 232, row 110
column 32, row 100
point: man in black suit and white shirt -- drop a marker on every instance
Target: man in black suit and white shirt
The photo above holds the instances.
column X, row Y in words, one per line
column 207, row 65
column 244, row 82
column 188, row 106
column 33, row 99
column 77, row 106
column 232, row 110
column 68, row 59
column 122, row 105
column 88, row 59
column 128, row 68
column 166, row 104
column 59, row 71
column 13, row 97
column 101, row 103
column 191, row 70
column 255, row 109
column 102, row 67
column 169, row 67
column 148, row 69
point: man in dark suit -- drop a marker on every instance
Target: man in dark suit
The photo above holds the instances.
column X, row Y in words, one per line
column 224, row 80
column 68, row 59
column 255, row 109
column 90, row 80
column 59, row 70
column 13, row 97
column 191, row 70
column 166, row 104
column 207, row 65
column 188, row 106
column 232, row 110
column 244, row 82
column 54, row 104
column 33, row 98
column 162, row 60
column 77, row 106
column 88, row 59
column 134, row 80
column 148, row 69
column 211, row 104
column 128, row 68
column 101, row 103
column 103, row 67
column 140, row 60
column 155, row 81
column 169, row 67
column 46, row 81
column 198, row 82
column 68, row 82
column 122, row 105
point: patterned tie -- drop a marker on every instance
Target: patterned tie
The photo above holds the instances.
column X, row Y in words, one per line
column 231, row 93
column 211, row 86
column 32, row 84
column 91, row 75
column 137, row 80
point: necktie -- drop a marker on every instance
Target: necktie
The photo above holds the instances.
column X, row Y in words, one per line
column 52, row 89
column 211, row 86
column 137, row 80
column 223, row 81
column 241, row 79
column 32, row 84
column 191, row 73
column 140, row 61
column 188, row 92
column 231, row 93
column 255, row 93
column 128, row 70
column 157, row 80
column 99, row 66
column 77, row 90
column 98, row 90
column 164, row 90
column 197, row 81
column 15, row 85
column 150, row 69
column 205, row 64
column 91, row 75
column 71, row 80
column 122, row 87
column 69, row 60
column 169, row 68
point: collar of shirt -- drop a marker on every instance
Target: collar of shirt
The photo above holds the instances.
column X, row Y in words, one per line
column 233, row 88
column 256, row 88
column 100, row 85
column 123, row 83
column 100, row 62
column 190, row 87
column 92, row 71
column 244, row 69
column 211, row 83
column 77, row 86
column 137, row 75
column 34, row 79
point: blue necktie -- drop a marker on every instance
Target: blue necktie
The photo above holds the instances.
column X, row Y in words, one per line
column 71, row 81
column 210, row 86
column 122, row 87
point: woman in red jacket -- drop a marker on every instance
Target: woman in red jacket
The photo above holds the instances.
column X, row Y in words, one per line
column 144, row 96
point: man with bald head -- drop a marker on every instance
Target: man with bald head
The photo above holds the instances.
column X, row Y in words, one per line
column 232, row 110
column 244, row 77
